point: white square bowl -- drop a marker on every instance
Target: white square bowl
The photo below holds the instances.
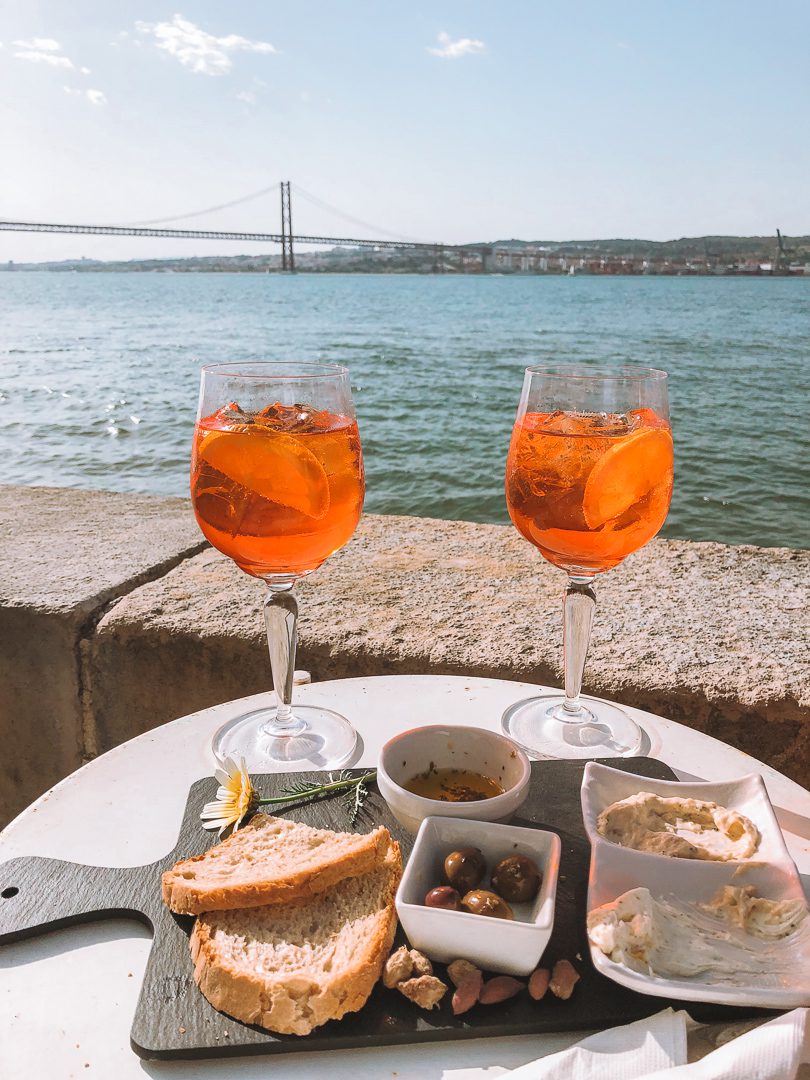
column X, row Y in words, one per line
column 510, row 947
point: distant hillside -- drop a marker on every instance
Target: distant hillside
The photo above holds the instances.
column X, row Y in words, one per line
column 687, row 247
column 698, row 254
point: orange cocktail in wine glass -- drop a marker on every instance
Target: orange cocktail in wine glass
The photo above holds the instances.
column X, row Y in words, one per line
column 277, row 485
column 588, row 481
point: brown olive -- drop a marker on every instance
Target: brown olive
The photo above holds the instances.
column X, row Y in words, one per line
column 443, row 896
column 484, row 902
column 464, row 869
column 516, row 878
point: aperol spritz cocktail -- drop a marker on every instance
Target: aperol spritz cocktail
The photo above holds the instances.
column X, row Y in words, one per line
column 588, row 482
column 588, row 490
column 279, row 489
column 277, row 485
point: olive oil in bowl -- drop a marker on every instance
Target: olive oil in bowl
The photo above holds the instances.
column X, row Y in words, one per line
column 453, row 785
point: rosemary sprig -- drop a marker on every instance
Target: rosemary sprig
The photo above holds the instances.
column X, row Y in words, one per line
column 353, row 800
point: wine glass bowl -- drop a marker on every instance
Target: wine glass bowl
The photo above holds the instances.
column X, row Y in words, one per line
column 588, row 481
column 277, row 485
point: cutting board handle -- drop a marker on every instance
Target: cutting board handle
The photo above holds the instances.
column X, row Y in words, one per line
column 43, row 894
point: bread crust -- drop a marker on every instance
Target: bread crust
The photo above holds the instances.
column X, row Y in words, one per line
column 187, row 896
column 295, row 1005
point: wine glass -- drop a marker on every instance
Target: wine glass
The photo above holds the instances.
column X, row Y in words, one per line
column 277, row 485
column 588, row 481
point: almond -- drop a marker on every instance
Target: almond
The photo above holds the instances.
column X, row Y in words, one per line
column 460, row 970
column 467, row 992
column 538, row 983
column 499, row 989
column 564, row 978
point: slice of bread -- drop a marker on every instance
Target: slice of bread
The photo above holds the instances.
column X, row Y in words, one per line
column 291, row 967
column 269, row 861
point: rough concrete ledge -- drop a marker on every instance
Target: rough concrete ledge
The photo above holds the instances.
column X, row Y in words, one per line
column 67, row 555
column 115, row 617
column 710, row 635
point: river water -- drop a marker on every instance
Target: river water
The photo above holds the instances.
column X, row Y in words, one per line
column 99, row 379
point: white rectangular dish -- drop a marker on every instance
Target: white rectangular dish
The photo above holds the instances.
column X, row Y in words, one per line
column 510, row 947
column 782, row 980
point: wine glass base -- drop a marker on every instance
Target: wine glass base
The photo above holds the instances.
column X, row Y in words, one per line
column 327, row 741
column 606, row 730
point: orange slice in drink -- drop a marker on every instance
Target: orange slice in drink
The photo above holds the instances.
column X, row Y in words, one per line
column 630, row 468
column 277, row 467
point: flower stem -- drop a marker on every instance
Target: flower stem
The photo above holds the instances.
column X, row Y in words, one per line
column 321, row 789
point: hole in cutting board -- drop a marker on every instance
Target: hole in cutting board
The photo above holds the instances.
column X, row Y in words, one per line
column 7, row 894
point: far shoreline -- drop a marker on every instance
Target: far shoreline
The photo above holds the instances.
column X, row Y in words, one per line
column 232, row 271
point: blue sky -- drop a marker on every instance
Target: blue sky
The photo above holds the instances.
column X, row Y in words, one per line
column 449, row 121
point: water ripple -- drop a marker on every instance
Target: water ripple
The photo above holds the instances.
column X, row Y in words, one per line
column 109, row 366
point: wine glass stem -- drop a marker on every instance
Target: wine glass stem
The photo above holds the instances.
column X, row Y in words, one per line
column 281, row 619
column 580, row 601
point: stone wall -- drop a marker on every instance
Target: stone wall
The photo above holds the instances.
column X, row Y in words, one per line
column 115, row 618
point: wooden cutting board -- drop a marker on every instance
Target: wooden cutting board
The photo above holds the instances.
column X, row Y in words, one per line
column 173, row 1019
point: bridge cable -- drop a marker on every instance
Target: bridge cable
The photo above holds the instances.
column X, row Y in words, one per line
column 349, row 217
column 201, row 213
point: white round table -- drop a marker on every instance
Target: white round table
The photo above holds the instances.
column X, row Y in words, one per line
column 67, row 998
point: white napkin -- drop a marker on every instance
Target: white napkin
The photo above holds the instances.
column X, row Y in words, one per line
column 622, row 1053
column 774, row 1051
column 655, row 1049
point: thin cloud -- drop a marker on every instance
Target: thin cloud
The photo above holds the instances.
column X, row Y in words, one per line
column 247, row 96
column 95, row 97
column 39, row 50
column 36, row 56
column 452, row 50
column 198, row 50
column 39, row 44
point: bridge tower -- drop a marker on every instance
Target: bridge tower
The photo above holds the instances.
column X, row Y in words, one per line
column 287, row 257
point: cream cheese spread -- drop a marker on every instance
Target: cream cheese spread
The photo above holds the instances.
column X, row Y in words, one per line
column 682, row 828
column 734, row 936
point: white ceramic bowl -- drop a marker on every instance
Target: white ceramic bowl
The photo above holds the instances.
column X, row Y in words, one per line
column 770, row 871
column 452, row 747
column 511, row 947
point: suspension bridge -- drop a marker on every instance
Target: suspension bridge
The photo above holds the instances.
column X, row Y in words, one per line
column 286, row 238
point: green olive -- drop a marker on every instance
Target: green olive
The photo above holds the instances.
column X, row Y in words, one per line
column 516, row 878
column 443, row 896
column 465, row 868
column 484, row 902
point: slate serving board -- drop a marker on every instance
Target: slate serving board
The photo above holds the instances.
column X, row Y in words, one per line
column 173, row 1019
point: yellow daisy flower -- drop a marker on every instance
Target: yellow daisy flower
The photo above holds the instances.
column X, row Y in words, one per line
column 236, row 797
